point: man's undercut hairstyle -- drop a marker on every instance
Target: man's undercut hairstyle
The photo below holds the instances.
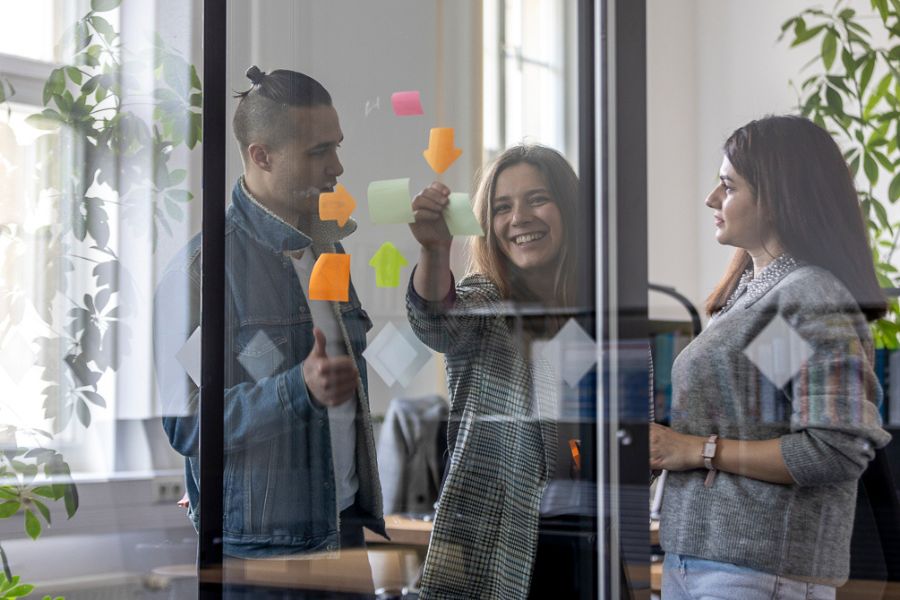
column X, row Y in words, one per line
column 262, row 114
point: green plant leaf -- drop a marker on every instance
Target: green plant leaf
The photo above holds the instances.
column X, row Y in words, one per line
column 94, row 398
column 834, row 100
column 9, row 508
column 829, row 48
column 104, row 5
column 48, row 119
column 71, row 500
column 806, row 35
column 32, row 525
column 55, row 85
column 871, row 169
column 195, row 79
column 866, row 74
column 849, row 63
column 881, row 215
column 46, row 491
column 894, row 188
column 42, row 508
column 104, row 28
column 74, row 74
column 19, row 591
column 195, row 132
column 854, row 165
column 882, row 7
column 83, row 413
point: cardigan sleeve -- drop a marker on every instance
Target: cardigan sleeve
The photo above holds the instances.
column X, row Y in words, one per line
column 835, row 423
column 450, row 324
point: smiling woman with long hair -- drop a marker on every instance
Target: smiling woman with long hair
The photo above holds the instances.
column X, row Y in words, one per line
column 774, row 412
column 502, row 435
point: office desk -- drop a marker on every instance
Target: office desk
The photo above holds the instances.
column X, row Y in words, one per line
column 403, row 530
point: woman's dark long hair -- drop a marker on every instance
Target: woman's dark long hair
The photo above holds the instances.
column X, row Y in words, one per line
column 805, row 193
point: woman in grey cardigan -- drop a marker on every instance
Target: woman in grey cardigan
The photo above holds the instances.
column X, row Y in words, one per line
column 502, row 436
column 774, row 414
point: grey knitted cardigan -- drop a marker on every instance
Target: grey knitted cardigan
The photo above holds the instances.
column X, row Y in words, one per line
column 825, row 416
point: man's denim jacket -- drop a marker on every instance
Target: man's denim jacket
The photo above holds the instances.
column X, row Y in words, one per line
column 279, row 479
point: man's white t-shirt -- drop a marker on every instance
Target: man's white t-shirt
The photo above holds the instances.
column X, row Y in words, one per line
column 341, row 419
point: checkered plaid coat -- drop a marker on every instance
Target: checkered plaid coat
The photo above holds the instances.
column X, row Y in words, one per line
column 502, row 440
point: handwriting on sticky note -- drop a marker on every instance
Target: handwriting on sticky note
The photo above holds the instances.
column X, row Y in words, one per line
column 459, row 216
column 407, row 104
column 330, row 278
column 389, row 202
column 337, row 205
column 387, row 263
column 441, row 152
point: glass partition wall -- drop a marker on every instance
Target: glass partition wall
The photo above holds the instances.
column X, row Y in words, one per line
column 413, row 262
column 361, row 264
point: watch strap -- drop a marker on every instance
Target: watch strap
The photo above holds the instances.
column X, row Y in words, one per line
column 708, row 458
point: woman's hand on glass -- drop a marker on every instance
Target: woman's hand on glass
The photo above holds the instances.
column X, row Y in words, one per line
column 429, row 227
column 674, row 451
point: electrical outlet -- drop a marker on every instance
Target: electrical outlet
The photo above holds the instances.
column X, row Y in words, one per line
column 167, row 490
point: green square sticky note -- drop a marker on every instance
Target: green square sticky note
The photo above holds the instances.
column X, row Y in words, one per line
column 460, row 218
column 389, row 202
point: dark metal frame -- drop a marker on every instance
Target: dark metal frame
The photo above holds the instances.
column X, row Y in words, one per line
column 212, row 386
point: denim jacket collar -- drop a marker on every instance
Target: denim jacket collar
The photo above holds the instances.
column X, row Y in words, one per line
column 275, row 233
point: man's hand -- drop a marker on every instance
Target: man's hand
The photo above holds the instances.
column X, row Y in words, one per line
column 330, row 381
column 674, row 451
column 429, row 228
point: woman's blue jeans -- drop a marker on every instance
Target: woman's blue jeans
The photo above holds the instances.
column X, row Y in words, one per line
column 690, row 578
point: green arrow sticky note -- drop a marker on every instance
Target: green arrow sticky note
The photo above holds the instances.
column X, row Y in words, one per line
column 389, row 202
column 460, row 218
column 387, row 263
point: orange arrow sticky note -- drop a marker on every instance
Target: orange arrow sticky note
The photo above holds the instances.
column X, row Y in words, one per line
column 330, row 278
column 337, row 205
column 441, row 152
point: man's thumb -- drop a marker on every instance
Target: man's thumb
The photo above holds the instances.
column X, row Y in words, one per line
column 319, row 347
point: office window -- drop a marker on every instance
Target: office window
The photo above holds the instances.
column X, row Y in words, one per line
column 529, row 86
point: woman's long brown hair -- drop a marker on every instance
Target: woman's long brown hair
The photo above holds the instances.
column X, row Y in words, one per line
column 484, row 252
column 805, row 192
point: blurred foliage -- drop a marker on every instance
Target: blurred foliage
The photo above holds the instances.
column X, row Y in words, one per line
column 854, row 93
column 115, row 113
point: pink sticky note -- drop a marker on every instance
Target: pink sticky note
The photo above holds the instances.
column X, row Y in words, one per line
column 407, row 104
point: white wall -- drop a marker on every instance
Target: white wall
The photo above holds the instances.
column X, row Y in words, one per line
column 713, row 65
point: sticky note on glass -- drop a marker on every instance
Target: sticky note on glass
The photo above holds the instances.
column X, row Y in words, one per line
column 441, row 152
column 337, row 205
column 407, row 104
column 389, row 202
column 460, row 218
column 387, row 263
column 330, row 278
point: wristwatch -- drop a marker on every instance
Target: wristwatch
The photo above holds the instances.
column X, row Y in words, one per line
column 709, row 452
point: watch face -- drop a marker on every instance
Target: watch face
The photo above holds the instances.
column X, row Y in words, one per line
column 709, row 449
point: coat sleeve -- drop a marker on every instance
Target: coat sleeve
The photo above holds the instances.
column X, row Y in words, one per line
column 449, row 325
